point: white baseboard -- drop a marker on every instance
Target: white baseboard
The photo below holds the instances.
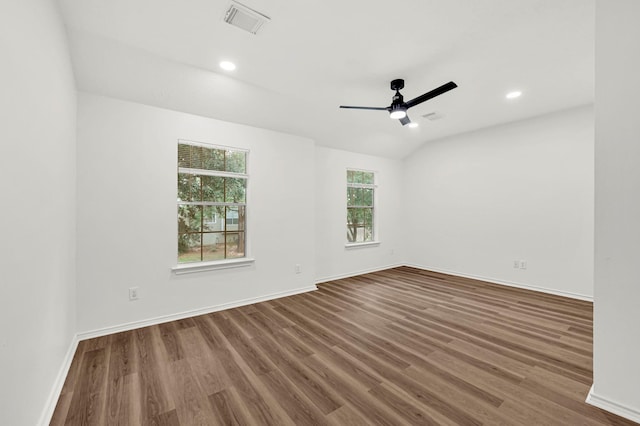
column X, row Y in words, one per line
column 612, row 407
column 506, row 283
column 181, row 315
column 186, row 314
column 356, row 273
column 54, row 395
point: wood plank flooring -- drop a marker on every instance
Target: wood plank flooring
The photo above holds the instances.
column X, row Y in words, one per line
column 397, row 347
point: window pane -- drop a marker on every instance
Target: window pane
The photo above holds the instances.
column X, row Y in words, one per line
column 350, row 216
column 189, row 248
column 352, row 232
column 184, row 155
column 189, row 218
column 355, row 234
column 367, row 197
column 359, row 225
column 213, row 246
column 212, row 219
column 351, row 196
column 196, row 157
column 188, row 187
column 368, row 233
column 350, row 176
column 359, row 198
column 367, row 215
column 235, row 190
column 355, row 216
column 235, row 245
column 232, row 218
column 213, row 159
column 216, row 159
column 241, row 218
column 358, row 177
column 212, row 188
column 236, row 161
column 361, row 234
column 367, row 177
column 235, row 218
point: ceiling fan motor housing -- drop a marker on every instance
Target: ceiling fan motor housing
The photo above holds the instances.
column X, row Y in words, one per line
column 397, row 84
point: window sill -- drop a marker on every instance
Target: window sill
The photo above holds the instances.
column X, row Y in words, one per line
column 188, row 268
column 350, row 246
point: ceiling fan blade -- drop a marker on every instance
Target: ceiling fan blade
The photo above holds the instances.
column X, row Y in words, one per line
column 432, row 94
column 361, row 107
column 405, row 120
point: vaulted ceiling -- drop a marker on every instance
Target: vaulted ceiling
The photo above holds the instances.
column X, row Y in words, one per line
column 315, row 55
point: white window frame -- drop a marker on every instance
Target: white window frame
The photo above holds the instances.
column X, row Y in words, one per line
column 191, row 267
column 375, row 240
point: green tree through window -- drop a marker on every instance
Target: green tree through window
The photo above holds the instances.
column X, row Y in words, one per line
column 360, row 206
column 212, row 186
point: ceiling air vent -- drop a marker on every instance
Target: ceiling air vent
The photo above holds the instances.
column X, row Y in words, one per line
column 245, row 18
column 433, row 116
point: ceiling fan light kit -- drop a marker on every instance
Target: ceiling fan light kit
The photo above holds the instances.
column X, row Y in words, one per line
column 398, row 113
column 398, row 108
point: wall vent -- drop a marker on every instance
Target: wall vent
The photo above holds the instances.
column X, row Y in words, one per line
column 433, row 116
column 245, row 18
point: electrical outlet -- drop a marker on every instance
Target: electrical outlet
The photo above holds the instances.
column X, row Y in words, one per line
column 133, row 293
column 298, row 269
column 523, row 264
column 516, row 264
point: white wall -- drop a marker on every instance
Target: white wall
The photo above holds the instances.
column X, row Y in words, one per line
column 127, row 222
column 521, row 191
column 617, row 219
column 37, row 219
column 333, row 260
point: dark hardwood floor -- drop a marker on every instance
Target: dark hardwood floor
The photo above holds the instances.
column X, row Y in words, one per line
column 397, row 347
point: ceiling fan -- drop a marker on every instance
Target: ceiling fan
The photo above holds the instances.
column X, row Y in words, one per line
column 398, row 108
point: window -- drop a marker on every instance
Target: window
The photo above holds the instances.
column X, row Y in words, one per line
column 360, row 206
column 212, row 186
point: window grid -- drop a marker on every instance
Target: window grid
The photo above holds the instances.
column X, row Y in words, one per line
column 360, row 206
column 212, row 184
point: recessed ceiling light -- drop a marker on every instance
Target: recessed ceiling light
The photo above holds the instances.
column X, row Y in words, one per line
column 514, row 94
column 227, row 66
column 413, row 124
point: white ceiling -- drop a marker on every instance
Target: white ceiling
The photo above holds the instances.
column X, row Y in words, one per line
column 315, row 55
